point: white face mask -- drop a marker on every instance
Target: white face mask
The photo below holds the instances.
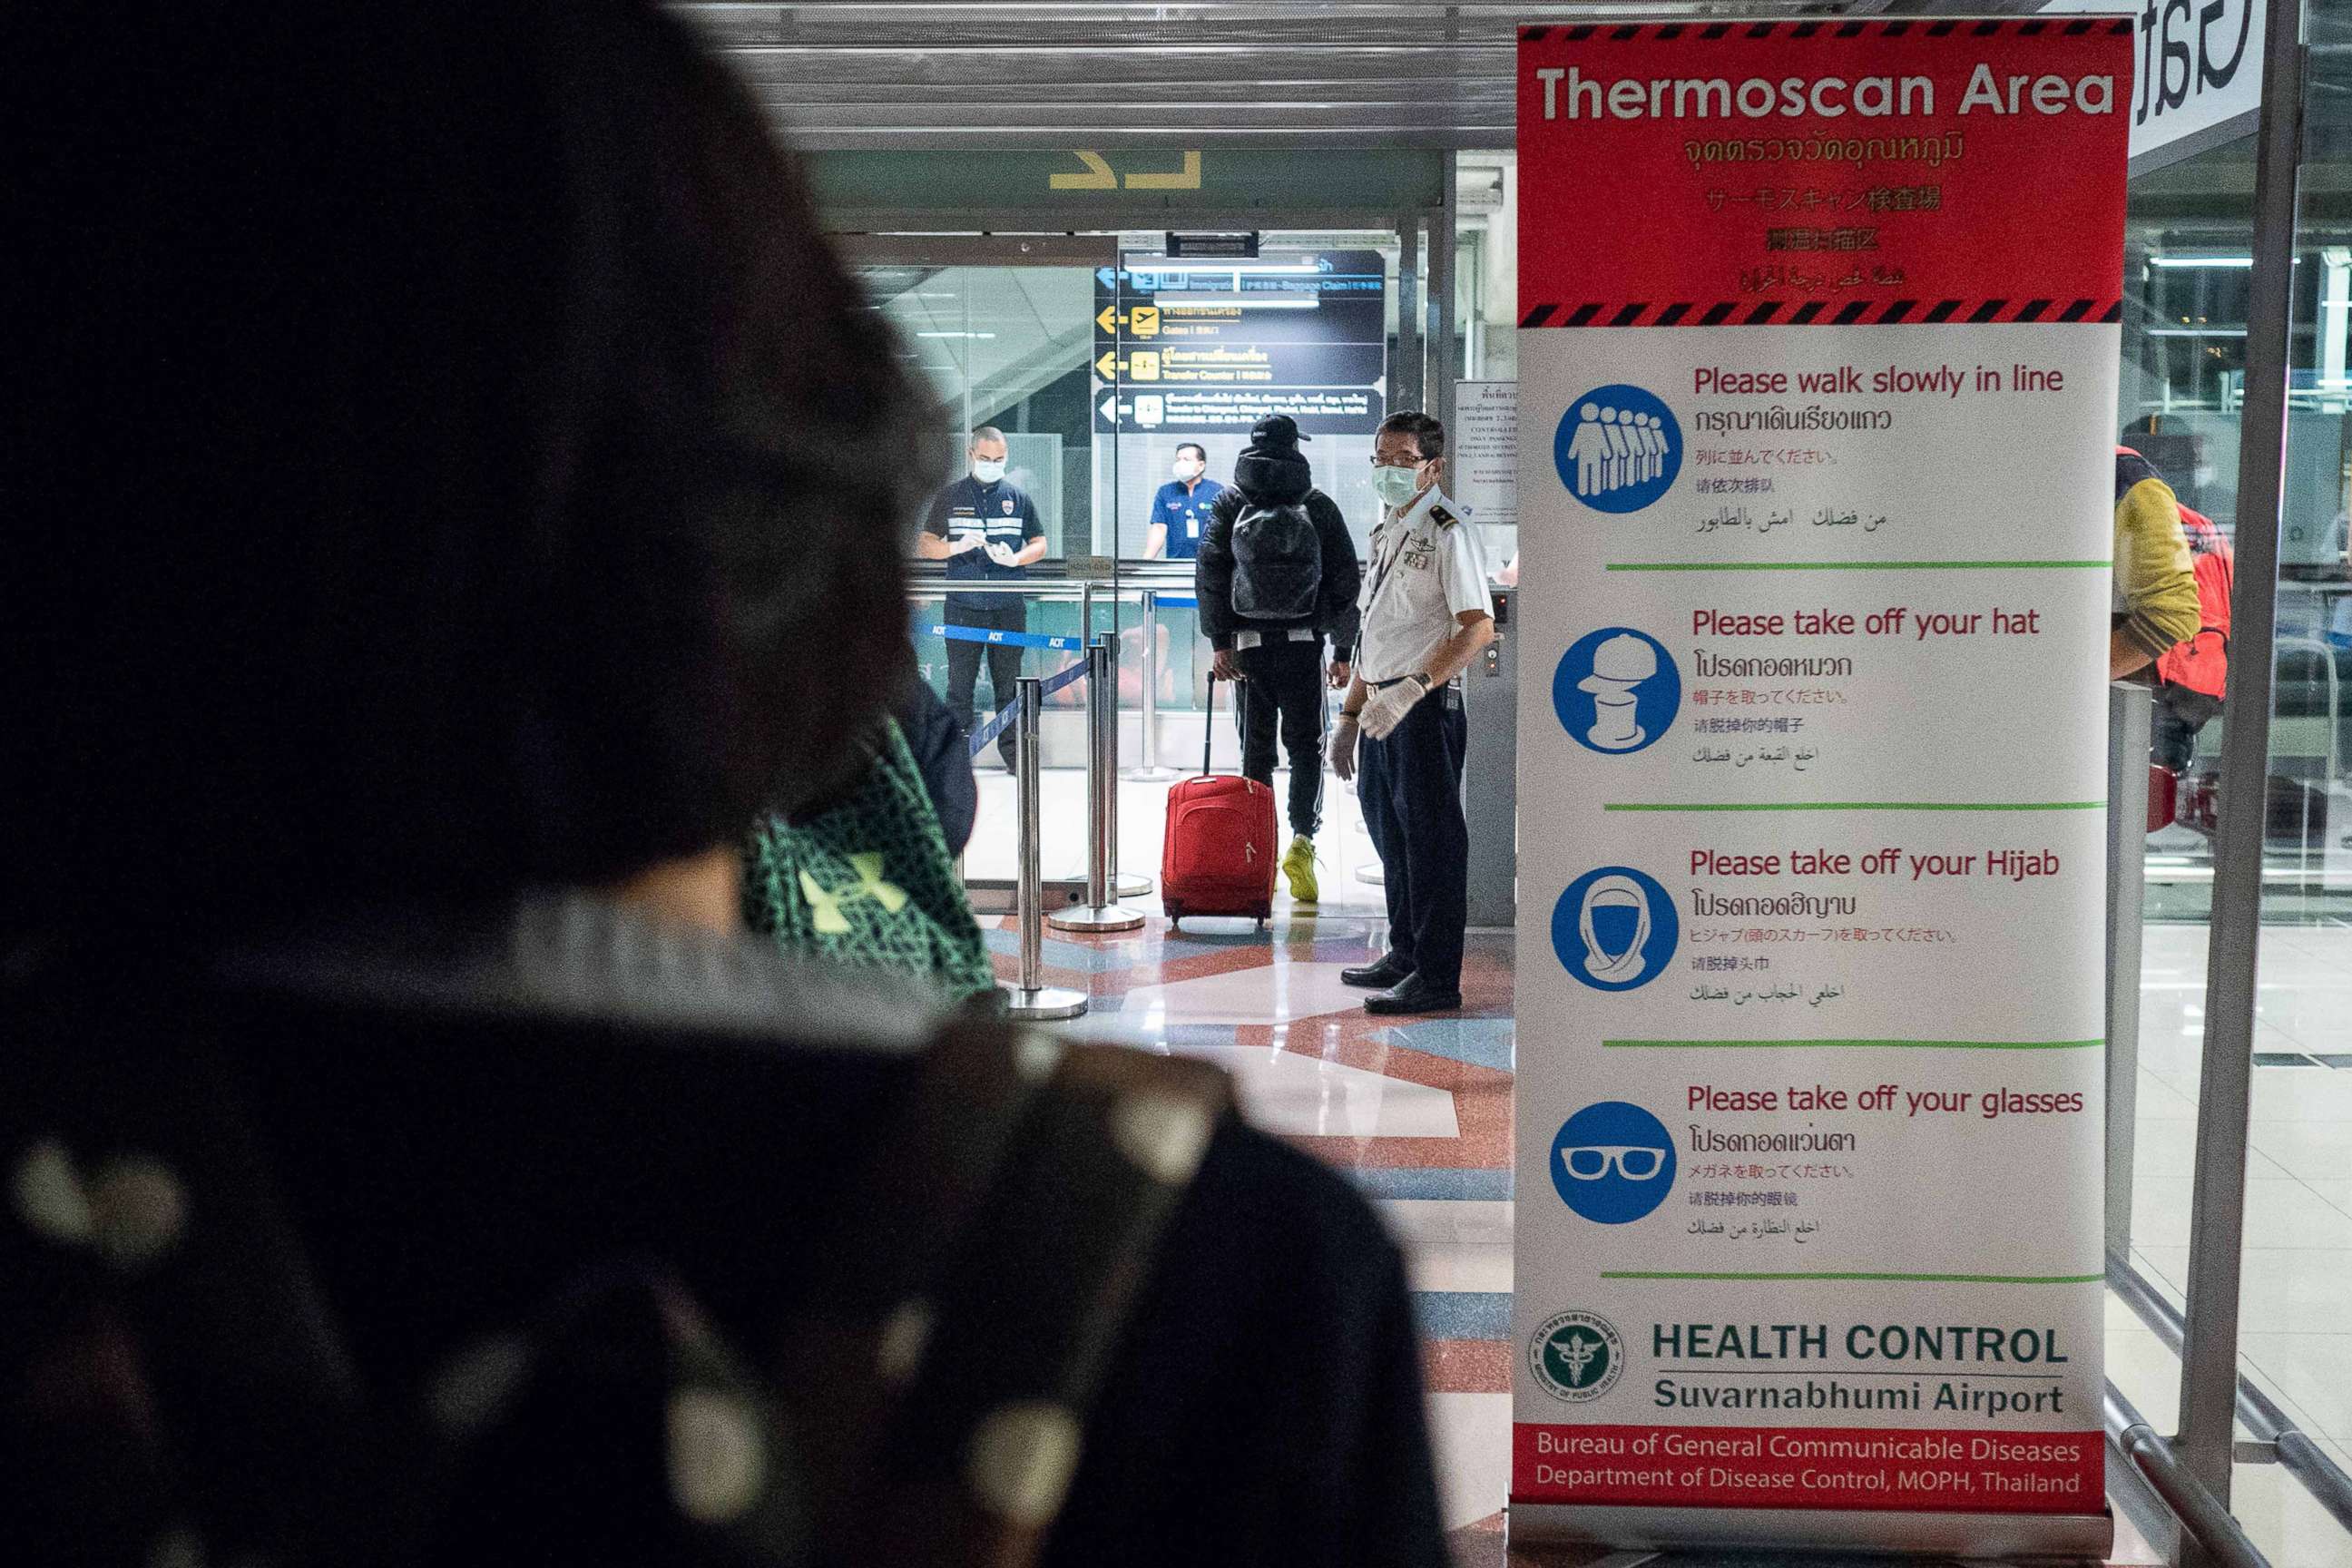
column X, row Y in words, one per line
column 1189, row 469
column 1396, row 485
column 988, row 470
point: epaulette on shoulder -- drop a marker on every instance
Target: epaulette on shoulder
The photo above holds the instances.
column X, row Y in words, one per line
column 1442, row 517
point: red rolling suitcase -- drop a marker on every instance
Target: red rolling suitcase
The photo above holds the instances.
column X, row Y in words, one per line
column 1220, row 853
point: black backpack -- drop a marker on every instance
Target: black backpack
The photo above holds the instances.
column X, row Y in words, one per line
column 1277, row 563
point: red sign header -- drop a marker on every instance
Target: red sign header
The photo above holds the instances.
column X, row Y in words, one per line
column 1824, row 173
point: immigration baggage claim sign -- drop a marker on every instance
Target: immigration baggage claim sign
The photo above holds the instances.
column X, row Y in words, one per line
column 1818, row 368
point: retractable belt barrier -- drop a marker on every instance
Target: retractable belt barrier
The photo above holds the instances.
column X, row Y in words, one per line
column 1102, row 911
column 1010, row 713
column 1028, row 996
column 1005, row 640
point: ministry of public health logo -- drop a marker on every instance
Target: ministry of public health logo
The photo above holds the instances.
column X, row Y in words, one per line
column 1576, row 1357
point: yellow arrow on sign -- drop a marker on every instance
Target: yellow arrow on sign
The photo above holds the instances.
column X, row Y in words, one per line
column 1098, row 177
column 1108, row 367
column 1108, row 320
column 1187, row 178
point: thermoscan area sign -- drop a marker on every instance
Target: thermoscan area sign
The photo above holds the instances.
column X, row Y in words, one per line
column 1817, row 384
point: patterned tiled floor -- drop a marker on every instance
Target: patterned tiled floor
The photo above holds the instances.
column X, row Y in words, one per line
column 1420, row 1112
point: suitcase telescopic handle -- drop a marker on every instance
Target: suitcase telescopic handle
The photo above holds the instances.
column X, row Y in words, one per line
column 1209, row 725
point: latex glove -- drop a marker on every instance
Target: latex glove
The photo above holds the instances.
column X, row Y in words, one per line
column 1388, row 708
column 1340, row 750
column 965, row 543
column 1003, row 554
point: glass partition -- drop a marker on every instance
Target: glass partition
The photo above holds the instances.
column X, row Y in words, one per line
column 1294, row 332
column 1001, row 334
column 1099, row 359
column 2187, row 274
column 2295, row 1332
column 2183, row 386
column 2183, row 341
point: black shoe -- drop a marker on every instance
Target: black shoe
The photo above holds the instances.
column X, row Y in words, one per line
column 1377, row 976
column 1413, row 995
column 1012, row 762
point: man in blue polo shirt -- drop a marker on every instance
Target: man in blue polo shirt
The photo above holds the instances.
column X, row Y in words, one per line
column 1180, row 512
column 986, row 530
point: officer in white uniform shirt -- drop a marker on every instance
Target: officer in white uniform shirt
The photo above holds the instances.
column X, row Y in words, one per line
column 1427, row 615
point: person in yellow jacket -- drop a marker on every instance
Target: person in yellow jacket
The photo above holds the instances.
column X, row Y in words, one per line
column 2155, row 589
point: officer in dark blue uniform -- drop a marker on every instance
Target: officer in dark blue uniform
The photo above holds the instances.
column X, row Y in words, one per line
column 1179, row 512
column 986, row 530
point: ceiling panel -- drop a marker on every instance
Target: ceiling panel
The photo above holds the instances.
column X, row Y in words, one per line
column 1043, row 73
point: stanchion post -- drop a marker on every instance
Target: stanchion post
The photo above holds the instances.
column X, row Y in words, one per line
column 1148, row 709
column 1108, row 774
column 1122, row 886
column 1032, row 999
column 1148, row 694
column 1101, row 911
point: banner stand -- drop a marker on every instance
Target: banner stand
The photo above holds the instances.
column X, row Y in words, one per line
column 1818, row 492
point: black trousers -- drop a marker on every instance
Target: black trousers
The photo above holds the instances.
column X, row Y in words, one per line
column 1409, row 786
column 1283, row 692
column 998, row 612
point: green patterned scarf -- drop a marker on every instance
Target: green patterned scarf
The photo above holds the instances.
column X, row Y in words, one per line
column 869, row 881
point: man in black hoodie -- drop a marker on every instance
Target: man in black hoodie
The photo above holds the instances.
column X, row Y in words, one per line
column 1272, row 587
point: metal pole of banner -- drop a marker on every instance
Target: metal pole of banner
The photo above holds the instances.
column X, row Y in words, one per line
column 2209, row 1365
column 2130, row 710
column 1150, row 772
column 1032, row 999
column 1100, row 912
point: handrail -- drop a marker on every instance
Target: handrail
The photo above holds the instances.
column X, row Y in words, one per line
column 2297, row 1454
column 2198, row 1513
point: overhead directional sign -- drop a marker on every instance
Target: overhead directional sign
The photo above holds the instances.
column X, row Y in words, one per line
column 1244, row 364
column 1199, row 346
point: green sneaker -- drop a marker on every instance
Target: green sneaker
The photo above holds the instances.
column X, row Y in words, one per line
column 1298, row 865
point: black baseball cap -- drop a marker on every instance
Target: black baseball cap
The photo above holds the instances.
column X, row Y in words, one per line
column 1276, row 430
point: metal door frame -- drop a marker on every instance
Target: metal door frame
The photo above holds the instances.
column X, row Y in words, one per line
column 1422, row 375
